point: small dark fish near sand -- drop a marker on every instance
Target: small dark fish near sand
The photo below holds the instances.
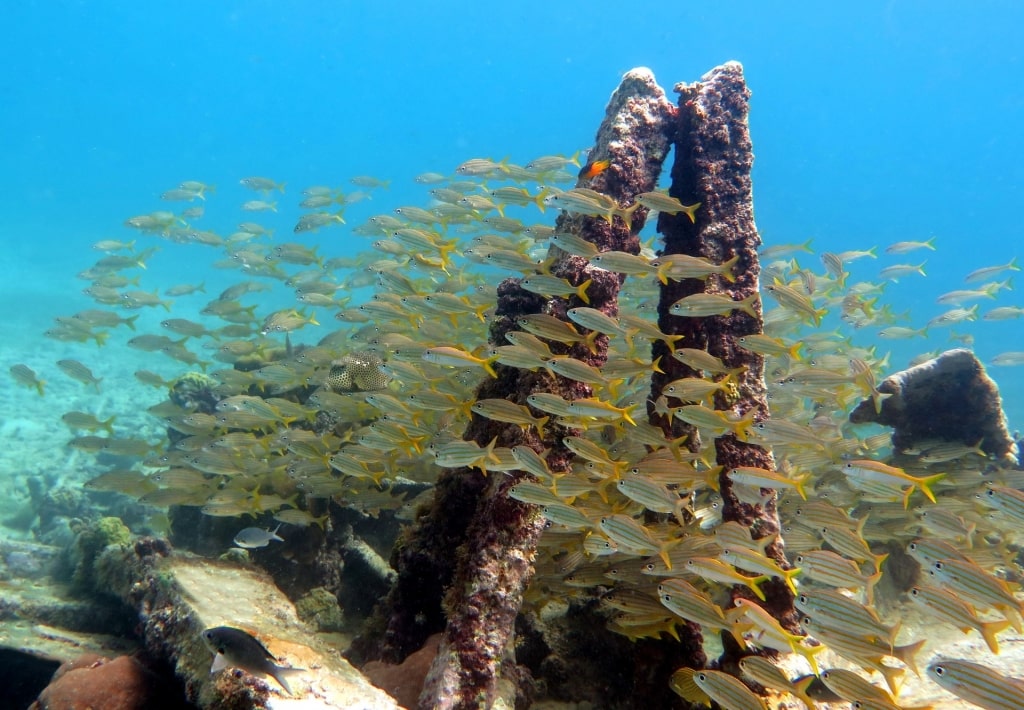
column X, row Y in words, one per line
column 234, row 648
column 252, row 538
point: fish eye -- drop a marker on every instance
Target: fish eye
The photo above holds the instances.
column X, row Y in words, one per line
column 939, row 671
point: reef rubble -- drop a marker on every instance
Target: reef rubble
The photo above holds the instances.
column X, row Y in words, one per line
column 178, row 595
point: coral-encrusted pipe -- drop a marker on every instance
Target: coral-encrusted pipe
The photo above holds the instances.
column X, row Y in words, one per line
column 713, row 161
column 495, row 559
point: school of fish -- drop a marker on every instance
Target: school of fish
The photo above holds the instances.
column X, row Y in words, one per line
column 368, row 377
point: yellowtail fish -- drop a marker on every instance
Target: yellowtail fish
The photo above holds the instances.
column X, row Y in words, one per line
column 852, row 687
column 898, row 271
column 567, row 515
column 892, row 475
column 834, row 570
column 550, row 328
column 793, row 300
column 545, row 285
column 26, row 377
column 683, row 266
column 77, row 371
column 836, row 610
column 978, row 587
column 623, row 263
column 574, row 244
column 762, row 478
column 760, row 670
column 867, row 653
column 599, row 409
column 904, row 247
column 950, row 608
column 261, row 184
column 550, row 163
column 586, row 202
column 631, row 536
column 504, row 411
column 753, row 561
column 663, row 202
column 717, row 422
column 456, row 357
column 988, row 272
column 653, row 496
column 728, row 691
column 693, row 389
column 1008, row 358
column 717, row 571
column 84, row 420
column 978, row 684
column 703, row 360
column 768, row 632
column 700, row 305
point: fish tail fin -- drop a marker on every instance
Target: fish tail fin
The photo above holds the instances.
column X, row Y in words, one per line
column 787, row 577
column 130, row 321
column 627, row 214
column 691, row 212
column 800, row 691
column 486, row 364
column 726, row 266
column 810, row 653
column 755, row 585
column 925, row 484
column 798, row 484
column 989, row 629
column 101, row 337
column 747, row 304
column 869, row 586
column 581, row 291
column 908, row 654
column 892, row 677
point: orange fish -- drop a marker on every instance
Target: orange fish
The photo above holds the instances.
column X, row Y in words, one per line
column 594, row 168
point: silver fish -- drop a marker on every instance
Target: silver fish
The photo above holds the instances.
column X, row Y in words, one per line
column 252, row 538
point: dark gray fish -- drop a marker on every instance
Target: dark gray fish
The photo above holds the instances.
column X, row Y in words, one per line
column 234, row 648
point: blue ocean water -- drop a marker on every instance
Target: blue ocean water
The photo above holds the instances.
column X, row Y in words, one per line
column 872, row 122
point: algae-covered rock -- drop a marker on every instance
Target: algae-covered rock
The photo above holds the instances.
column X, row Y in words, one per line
column 92, row 539
column 194, row 392
column 320, row 610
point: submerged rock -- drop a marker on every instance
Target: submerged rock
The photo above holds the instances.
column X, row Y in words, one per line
column 178, row 596
column 102, row 684
column 950, row 398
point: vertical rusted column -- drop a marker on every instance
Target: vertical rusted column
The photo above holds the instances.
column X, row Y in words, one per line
column 713, row 163
column 495, row 560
